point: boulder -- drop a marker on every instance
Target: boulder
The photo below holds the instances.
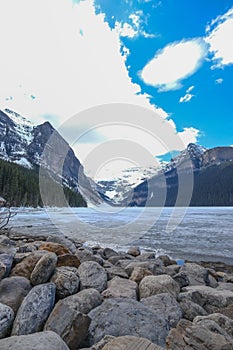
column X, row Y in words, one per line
column 152, row 285
column 44, row 269
column 196, row 274
column 13, row 290
column 120, row 257
column 6, row 260
column 66, row 280
column 123, row 316
column 108, row 252
column 56, row 248
column 2, row 270
column 129, row 342
column 172, row 270
column 225, row 286
column 139, row 273
column 7, row 246
column 68, row 260
column 212, row 332
column 190, row 309
column 134, row 251
column 152, row 265
column 182, row 279
column 209, row 298
column 166, row 260
column 6, row 320
column 69, row 319
column 121, row 288
column 165, row 306
column 65, row 242
column 26, row 266
column 34, row 310
column 36, row 341
column 116, row 271
column 92, row 275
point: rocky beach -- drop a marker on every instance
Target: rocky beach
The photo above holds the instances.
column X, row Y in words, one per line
column 58, row 293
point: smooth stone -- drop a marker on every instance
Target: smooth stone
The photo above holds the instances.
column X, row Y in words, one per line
column 92, row 275
column 152, row 285
column 121, row 288
column 36, row 341
column 7, row 261
column 7, row 246
column 34, row 310
column 123, row 316
column 116, row 271
column 25, row 267
column 13, row 290
column 120, row 257
column 166, row 260
column 63, row 241
column 68, row 260
column 139, row 273
column 154, row 266
column 69, row 318
column 172, row 270
column 67, row 281
column 87, row 255
column 146, row 256
column 108, row 252
column 165, row 306
column 43, row 269
column 56, row 248
column 6, row 320
column 134, row 251
column 129, row 342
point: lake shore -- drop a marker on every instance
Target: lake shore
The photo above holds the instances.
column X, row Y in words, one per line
column 58, row 293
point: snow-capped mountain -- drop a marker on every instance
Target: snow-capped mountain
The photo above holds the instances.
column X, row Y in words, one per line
column 23, row 143
column 117, row 188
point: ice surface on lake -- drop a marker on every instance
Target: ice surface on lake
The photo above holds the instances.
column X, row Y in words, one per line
column 204, row 233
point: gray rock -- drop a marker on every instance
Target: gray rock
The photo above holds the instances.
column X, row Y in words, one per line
column 172, row 270
column 7, row 246
column 134, row 251
column 191, row 310
column 63, row 241
column 225, row 286
column 108, row 252
column 196, row 274
column 154, row 266
column 6, row 260
column 6, row 320
column 129, row 342
column 121, row 288
column 66, row 280
column 209, row 298
column 34, row 309
column 13, row 290
column 120, row 257
column 122, row 316
column 223, row 321
column 92, row 275
column 2, row 270
column 165, row 306
column 68, row 260
column 36, row 341
column 116, row 271
column 69, row 319
column 139, row 273
column 152, row 285
column 43, row 269
column 146, row 256
column 182, row 279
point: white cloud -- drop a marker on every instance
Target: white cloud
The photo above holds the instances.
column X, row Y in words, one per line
column 189, row 135
column 219, row 37
column 174, row 63
column 219, row 81
column 186, row 98
column 68, row 58
column 134, row 28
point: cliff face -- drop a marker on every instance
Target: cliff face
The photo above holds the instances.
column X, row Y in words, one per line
column 33, row 146
column 217, row 155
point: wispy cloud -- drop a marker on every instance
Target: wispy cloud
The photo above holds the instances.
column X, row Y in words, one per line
column 176, row 62
column 187, row 97
column 219, row 81
column 219, row 37
column 133, row 27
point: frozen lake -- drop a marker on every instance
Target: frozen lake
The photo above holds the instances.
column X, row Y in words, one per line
column 200, row 233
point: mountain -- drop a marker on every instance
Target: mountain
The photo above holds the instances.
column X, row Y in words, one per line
column 210, row 169
column 23, row 143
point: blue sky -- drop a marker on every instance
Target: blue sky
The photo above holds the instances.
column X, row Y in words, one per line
column 60, row 58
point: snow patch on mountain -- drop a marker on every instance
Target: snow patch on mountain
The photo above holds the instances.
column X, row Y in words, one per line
column 22, row 125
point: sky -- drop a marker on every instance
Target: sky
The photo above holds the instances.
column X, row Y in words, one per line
column 60, row 58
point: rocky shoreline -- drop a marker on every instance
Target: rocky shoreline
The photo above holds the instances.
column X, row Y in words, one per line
column 56, row 293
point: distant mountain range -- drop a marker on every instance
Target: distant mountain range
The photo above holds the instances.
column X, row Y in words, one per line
column 23, row 144
column 209, row 171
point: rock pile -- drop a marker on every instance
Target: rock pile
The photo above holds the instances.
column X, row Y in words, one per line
column 56, row 293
